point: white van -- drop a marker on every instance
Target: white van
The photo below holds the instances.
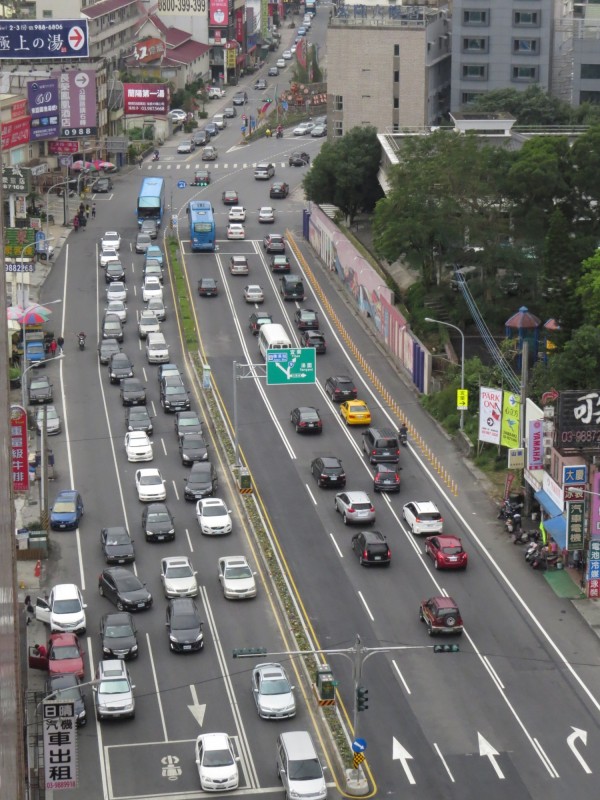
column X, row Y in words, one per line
column 219, row 121
column 272, row 336
column 157, row 351
column 299, row 767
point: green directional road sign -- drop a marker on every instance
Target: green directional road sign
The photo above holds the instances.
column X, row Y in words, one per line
column 295, row 365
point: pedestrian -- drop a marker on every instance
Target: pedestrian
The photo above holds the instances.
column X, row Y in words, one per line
column 29, row 611
column 60, row 342
column 52, row 348
column 87, row 210
column 40, row 650
column 82, row 219
column 139, row 160
column 76, row 222
column 93, row 210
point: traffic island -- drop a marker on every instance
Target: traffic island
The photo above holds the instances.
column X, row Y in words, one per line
column 356, row 783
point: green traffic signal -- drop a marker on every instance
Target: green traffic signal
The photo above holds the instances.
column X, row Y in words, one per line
column 242, row 652
column 446, row 648
column 362, row 698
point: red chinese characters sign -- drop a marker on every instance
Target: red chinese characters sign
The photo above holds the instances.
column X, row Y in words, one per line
column 18, row 109
column 239, row 25
column 146, row 98
column 15, row 133
column 149, row 50
column 18, row 443
column 62, row 147
column 219, row 13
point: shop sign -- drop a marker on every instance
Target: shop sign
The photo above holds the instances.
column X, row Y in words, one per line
column 60, row 744
column 58, row 148
column 595, row 506
column 575, row 523
column 535, row 448
column 578, row 422
column 77, row 90
column 574, row 474
column 15, row 133
column 18, row 109
column 516, row 458
column 18, row 445
column 490, row 415
column 593, row 569
column 149, row 50
column 511, row 413
column 219, row 13
column 574, row 493
column 146, row 98
column 16, row 180
column 47, row 39
column 15, row 239
column 43, row 107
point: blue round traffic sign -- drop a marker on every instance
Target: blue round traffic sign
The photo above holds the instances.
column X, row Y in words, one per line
column 359, row 745
column 181, row 184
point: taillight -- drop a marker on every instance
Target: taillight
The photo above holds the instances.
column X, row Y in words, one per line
column 365, row 554
column 337, row 391
column 323, row 476
column 373, row 452
column 397, row 452
column 378, row 476
column 397, row 478
column 350, row 510
column 417, row 519
column 389, row 555
column 372, row 509
column 302, row 424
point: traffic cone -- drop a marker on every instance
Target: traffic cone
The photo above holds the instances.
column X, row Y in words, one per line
column 38, row 568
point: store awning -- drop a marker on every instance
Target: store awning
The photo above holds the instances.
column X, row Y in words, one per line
column 547, row 503
column 557, row 529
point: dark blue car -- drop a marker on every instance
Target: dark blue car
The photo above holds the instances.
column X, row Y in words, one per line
column 67, row 511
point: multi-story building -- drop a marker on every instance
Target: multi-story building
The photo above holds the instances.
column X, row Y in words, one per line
column 577, row 53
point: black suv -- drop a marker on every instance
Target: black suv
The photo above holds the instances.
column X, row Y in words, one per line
column 371, row 547
column 381, row 445
column 292, row 288
column 314, row 339
column 173, row 395
column 341, row 387
column 328, row 471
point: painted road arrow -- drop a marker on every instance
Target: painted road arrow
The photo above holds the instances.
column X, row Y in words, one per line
column 578, row 733
column 399, row 753
column 489, row 751
column 198, row 709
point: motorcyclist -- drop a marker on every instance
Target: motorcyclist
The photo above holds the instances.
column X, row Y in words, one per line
column 81, row 336
column 280, row 131
column 268, row 133
column 403, row 431
column 156, row 155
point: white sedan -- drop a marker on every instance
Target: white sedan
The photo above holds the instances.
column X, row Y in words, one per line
column 236, row 578
column 216, row 763
column 303, row 129
column 52, row 421
column 116, row 291
column 287, row 54
column 280, row 63
column 178, row 577
column 151, row 287
column 213, row 516
column 253, row 293
column 150, row 485
column 237, row 214
column 118, row 308
column 108, row 255
column 235, row 231
column 111, row 239
column 138, row 446
column 147, row 323
column 266, row 214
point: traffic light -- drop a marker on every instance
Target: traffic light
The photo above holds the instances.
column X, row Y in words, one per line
column 243, row 652
column 445, row 648
column 362, row 698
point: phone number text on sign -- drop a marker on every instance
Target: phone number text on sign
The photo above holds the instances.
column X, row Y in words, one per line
column 182, row 7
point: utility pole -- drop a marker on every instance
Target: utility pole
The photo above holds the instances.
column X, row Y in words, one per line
column 44, row 472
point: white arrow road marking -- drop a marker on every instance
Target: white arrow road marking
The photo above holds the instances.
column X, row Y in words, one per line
column 198, row 709
column 489, row 751
column 402, row 755
column 578, row 733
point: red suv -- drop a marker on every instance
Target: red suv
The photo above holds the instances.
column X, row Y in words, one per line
column 441, row 615
column 446, row 551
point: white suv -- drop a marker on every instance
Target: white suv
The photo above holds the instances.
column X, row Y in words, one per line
column 63, row 610
column 423, row 517
column 113, row 694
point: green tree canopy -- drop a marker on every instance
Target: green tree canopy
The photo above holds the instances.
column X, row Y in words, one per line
column 531, row 107
column 576, row 366
column 588, row 289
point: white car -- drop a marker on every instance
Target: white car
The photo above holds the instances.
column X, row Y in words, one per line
column 185, row 147
column 111, row 239
column 108, row 255
column 178, row 577
column 52, row 420
column 177, row 115
column 150, row 485
column 423, row 517
column 147, row 323
column 138, row 446
column 118, row 308
column 213, row 516
column 266, row 214
column 63, row 610
column 235, row 231
column 151, row 287
column 280, row 63
column 253, row 293
column 237, row 214
column 287, row 55
column 116, row 291
column 303, row 129
column 156, row 305
column 216, row 762
column 236, row 578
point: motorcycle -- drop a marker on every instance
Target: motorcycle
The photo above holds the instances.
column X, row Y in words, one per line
column 513, row 522
column 508, row 509
column 403, row 438
column 279, row 135
column 156, row 156
column 81, row 340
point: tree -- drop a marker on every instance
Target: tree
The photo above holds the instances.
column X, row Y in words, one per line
column 531, row 107
column 345, row 173
column 588, row 289
column 575, row 367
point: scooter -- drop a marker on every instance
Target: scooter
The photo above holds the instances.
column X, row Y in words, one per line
column 513, row 522
column 403, row 438
column 279, row 135
column 155, row 156
column 81, row 342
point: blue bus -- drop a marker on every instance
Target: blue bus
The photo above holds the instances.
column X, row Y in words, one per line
column 202, row 225
column 151, row 201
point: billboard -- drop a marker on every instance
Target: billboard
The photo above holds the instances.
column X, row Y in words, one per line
column 16, row 180
column 535, row 446
column 149, row 50
column 60, row 744
column 42, row 97
column 219, row 13
column 511, row 416
column 578, row 423
column 146, row 98
column 490, row 415
column 29, row 39
column 595, row 507
column 183, row 8
column 18, row 446
column 77, row 90
column 15, row 133
column 60, row 148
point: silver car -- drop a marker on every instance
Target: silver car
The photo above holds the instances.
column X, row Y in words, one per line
column 355, row 508
column 113, row 692
column 148, row 323
column 52, row 420
column 116, row 291
column 156, row 305
column 118, row 308
column 273, row 693
column 178, row 577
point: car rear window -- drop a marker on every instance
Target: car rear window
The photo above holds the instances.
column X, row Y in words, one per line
column 378, row 549
column 452, row 550
column 386, row 443
column 430, row 515
column 330, row 470
column 361, row 506
column 447, row 612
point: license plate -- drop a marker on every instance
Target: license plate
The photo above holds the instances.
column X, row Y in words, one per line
column 377, row 558
column 362, row 513
column 386, row 452
column 141, row 605
column 187, row 646
column 121, row 561
column 311, row 424
column 160, row 538
column 452, row 558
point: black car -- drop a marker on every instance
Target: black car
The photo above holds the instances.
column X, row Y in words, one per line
column 279, row 190
column 192, row 447
column 133, row 392
column 187, row 422
column 258, row 318
column 298, row 159
column 314, row 339
column 207, row 287
column 240, row 98
column 341, row 387
column 114, row 271
column 306, row 319
column 68, row 688
column 184, row 625
column 117, row 545
column 201, row 481
column 280, row 263
column 118, row 636
column 387, row 478
column 328, row 471
column 40, row 389
column 371, row 547
column 106, row 348
column 119, row 367
column 200, row 138
column 112, row 327
column 124, row 589
column 212, row 129
column 158, row 523
column 230, row 112
column 173, row 397
column 102, row 185
column 137, row 418
column 306, row 419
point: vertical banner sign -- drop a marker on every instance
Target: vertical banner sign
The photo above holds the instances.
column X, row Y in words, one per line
column 595, row 507
column 490, row 415
column 43, row 108
column 60, row 745
column 575, row 522
column 18, row 446
column 593, row 569
column 77, row 103
column 535, row 447
column 219, row 13
column 511, row 408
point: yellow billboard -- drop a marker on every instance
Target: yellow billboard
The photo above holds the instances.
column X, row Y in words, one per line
column 511, row 417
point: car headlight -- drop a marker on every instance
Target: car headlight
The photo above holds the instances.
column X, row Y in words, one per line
column 106, row 650
column 172, row 638
column 81, row 714
column 134, row 648
column 128, row 707
column 113, row 375
column 199, row 637
column 172, row 531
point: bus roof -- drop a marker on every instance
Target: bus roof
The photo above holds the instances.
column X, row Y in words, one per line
column 152, row 187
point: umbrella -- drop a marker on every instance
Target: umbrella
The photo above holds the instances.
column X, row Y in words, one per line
column 107, row 165
column 14, row 313
column 83, row 165
column 35, row 315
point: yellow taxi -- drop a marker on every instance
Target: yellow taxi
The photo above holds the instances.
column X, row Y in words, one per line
column 355, row 412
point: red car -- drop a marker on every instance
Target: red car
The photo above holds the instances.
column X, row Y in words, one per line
column 64, row 657
column 441, row 615
column 230, row 198
column 446, row 551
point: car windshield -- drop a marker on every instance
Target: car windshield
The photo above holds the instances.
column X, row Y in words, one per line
column 213, row 511
column 114, row 687
column 217, row 758
column 64, row 507
column 129, row 584
column 186, row 421
column 138, row 414
column 158, row 516
column 39, row 383
column 308, row 769
column 117, row 631
column 193, row 441
column 64, row 651
column 278, row 686
column 70, row 693
column 182, row 622
column 66, row 607
column 238, row 573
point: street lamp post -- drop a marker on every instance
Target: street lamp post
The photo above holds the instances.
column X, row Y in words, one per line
column 462, row 360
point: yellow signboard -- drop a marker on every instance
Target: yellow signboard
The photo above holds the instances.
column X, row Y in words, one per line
column 462, row 399
column 511, row 413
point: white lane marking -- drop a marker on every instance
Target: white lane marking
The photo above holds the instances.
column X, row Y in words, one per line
column 312, row 497
column 487, row 750
column 175, row 490
column 443, row 760
column 153, row 408
column 401, row 676
column 197, row 709
column 164, row 447
column 144, row 372
column 578, row 733
column 335, row 544
column 495, row 675
column 103, row 767
column 187, row 533
column 158, row 700
column 367, row 609
column 545, row 759
column 401, row 754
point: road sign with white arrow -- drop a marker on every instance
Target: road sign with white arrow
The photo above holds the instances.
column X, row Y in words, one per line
column 291, row 366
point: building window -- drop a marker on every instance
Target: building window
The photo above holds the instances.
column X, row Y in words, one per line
column 338, row 127
column 526, row 47
column 474, row 72
column 479, row 45
column 526, row 19
column 396, row 50
column 468, row 98
column 525, row 74
column 589, row 97
column 396, row 102
column 338, row 102
column 396, row 76
column 46, row 14
column 590, row 71
column 473, row 17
